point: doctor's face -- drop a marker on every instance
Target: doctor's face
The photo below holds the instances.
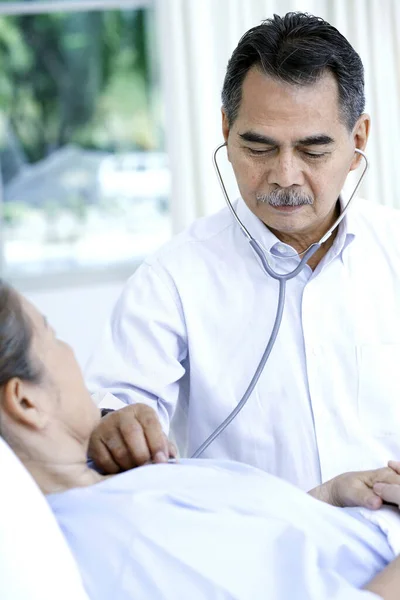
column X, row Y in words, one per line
column 291, row 152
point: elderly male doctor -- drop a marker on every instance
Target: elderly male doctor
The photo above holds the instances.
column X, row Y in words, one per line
column 193, row 321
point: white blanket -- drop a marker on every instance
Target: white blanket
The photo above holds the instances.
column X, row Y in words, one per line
column 388, row 520
column 211, row 530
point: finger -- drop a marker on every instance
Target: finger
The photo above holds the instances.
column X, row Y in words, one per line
column 388, row 492
column 368, row 499
column 384, row 475
column 395, row 465
column 388, row 475
column 157, row 441
column 102, row 457
column 173, row 451
column 120, row 450
column 136, row 443
column 359, row 493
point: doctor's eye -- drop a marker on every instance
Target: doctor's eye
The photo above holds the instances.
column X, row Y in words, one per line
column 255, row 152
column 315, row 155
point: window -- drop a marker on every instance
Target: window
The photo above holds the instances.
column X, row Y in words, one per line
column 84, row 173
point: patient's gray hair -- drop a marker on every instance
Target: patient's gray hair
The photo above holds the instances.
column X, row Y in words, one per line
column 15, row 340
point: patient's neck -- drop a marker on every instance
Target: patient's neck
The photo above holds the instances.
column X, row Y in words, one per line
column 57, row 466
column 54, row 477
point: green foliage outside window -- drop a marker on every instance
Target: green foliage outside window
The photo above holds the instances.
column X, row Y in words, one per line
column 79, row 78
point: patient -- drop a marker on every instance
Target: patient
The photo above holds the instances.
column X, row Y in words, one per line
column 198, row 529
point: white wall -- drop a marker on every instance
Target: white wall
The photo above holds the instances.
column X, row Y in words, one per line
column 78, row 314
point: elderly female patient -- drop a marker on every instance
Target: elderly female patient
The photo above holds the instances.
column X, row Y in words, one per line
column 188, row 530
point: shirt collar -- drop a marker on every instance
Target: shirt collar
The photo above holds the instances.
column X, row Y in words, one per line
column 346, row 231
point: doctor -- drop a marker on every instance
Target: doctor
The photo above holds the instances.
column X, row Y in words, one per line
column 192, row 323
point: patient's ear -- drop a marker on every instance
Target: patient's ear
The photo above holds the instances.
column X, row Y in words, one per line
column 21, row 401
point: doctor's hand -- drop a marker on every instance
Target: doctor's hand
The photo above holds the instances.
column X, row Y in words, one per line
column 390, row 492
column 358, row 488
column 129, row 437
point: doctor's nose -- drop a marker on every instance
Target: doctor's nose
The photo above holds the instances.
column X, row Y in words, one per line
column 285, row 171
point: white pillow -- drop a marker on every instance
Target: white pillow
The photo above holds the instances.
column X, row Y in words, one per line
column 35, row 561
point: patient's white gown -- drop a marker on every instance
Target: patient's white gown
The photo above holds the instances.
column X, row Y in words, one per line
column 206, row 529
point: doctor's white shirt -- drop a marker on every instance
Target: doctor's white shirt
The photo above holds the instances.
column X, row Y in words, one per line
column 192, row 323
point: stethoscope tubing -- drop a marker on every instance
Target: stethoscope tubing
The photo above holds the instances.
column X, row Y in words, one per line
column 282, row 278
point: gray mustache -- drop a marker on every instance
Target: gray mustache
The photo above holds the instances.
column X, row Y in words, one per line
column 284, row 198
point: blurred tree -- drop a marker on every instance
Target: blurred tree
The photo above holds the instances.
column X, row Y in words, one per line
column 74, row 78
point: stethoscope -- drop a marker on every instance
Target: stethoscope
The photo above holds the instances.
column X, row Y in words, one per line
column 282, row 278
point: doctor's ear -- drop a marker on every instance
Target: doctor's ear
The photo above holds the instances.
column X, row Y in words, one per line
column 225, row 124
column 22, row 403
column 360, row 135
column 225, row 130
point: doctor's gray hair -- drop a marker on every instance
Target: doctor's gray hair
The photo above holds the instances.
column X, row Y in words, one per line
column 298, row 49
column 15, row 339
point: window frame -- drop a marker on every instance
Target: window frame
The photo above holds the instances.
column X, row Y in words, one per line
column 49, row 6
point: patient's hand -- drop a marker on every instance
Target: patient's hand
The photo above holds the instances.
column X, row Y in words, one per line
column 358, row 488
column 129, row 437
column 390, row 492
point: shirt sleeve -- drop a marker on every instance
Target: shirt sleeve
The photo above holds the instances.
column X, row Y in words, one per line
column 141, row 355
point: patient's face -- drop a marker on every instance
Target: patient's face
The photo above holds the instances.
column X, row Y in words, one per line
column 62, row 389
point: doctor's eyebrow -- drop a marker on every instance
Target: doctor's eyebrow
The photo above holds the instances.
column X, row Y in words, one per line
column 316, row 140
column 258, row 138
column 312, row 140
